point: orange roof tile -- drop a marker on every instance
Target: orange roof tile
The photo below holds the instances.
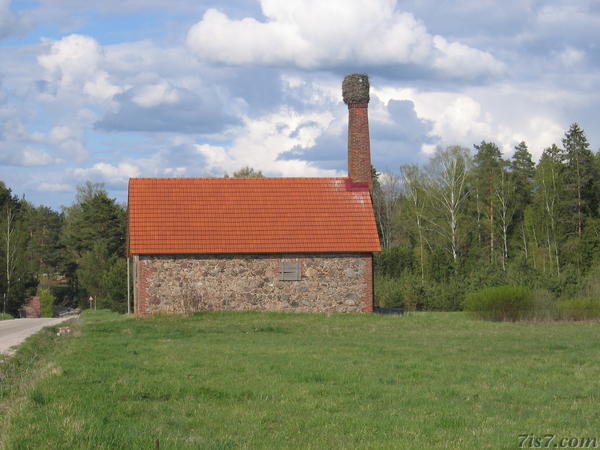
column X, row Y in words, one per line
column 249, row 215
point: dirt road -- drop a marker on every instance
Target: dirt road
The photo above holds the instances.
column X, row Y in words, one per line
column 13, row 332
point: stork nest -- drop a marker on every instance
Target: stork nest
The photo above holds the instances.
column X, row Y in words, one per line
column 355, row 88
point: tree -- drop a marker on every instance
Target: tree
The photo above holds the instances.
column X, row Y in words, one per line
column 103, row 276
column 522, row 171
column 17, row 280
column 246, row 172
column 505, row 193
column 11, row 247
column 94, row 217
column 94, row 222
column 580, row 175
column 447, row 174
column 43, row 250
column 386, row 196
column 488, row 168
column 414, row 191
column 548, row 178
column 46, row 302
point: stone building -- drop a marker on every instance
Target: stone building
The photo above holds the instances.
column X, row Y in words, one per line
column 277, row 244
column 31, row 308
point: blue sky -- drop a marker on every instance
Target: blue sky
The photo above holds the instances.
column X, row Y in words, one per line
column 104, row 90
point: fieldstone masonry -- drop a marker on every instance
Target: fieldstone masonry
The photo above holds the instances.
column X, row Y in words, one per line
column 191, row 283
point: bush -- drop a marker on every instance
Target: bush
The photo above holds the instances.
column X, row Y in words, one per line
column 544, row 306
column 5, row 316
column 46, row 302
column 447, row 296
column 411, row 288
column 405, row 291
column 388, row 291
column 501, row 303
column 582, row 308
column 590, row 285
column 394, row 261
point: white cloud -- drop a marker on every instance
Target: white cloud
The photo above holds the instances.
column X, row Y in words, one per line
column 68, row 140
column 35, row 157
column 315, row 34
column 15, row 142
column 11, row 22
column 54, row 187
column 155, row 94
column 103, row 172
column 263, row 140
column 73, row 65
column 460, row 60
column 571, row 56
column 27, row 156
column 504, row 115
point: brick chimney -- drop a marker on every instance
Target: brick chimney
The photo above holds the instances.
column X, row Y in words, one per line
column 355, row 91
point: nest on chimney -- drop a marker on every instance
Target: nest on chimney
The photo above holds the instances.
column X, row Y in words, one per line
column 355, row 88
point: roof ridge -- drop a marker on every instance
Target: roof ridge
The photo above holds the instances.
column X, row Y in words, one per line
column 236, row 179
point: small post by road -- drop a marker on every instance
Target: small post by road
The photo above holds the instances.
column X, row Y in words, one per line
column 128, row 289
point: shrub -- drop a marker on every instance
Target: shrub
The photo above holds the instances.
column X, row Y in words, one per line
column 388, row 291
column 405, row 291
column 501, row 303
column 544, row 306
column 5, row 316
column 46, row 302
column 447, row 296
column 582, row 308
column 394, row 261
column 590, row 285
column 412, row 291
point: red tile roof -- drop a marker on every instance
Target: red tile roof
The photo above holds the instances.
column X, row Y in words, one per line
column 249, row 215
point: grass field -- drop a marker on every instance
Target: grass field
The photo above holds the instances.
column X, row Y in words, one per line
column 262, row 380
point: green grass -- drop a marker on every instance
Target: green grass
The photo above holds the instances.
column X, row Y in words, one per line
column 4, row 316
column 267, row 380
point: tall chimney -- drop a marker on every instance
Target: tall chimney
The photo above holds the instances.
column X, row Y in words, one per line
column 355, row 91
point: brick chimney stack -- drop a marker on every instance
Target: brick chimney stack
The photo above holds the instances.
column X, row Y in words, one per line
column 355, row 91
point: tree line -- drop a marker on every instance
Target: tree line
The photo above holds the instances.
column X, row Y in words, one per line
column 75, row 253
column 463, row 221
column 72, row 254
column 472, row 219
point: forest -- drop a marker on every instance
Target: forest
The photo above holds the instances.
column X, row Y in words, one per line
column 65, row 256
column 466, row 220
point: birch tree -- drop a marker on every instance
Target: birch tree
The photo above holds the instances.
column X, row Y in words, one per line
column 447, row 185
column 414, row 191
column 506, row 201
column 386, row 197
column 547, row 196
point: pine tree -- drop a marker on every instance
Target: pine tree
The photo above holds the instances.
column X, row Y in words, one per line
column 580, row 197
column 94, row 222
column 43, row 249
column 487, row 172
column 522, row 171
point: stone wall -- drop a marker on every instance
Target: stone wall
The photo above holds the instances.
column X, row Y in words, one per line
column 189, row 283
column 31, row 308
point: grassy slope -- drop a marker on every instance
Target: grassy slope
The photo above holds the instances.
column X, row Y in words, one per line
column 273, row 380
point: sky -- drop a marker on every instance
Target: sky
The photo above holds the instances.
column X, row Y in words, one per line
column 105, row 90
